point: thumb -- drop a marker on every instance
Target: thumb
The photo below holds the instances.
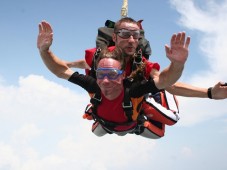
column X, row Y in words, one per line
column 168, row 51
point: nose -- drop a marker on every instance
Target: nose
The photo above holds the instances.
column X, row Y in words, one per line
column 105, row 79
column 131, row 39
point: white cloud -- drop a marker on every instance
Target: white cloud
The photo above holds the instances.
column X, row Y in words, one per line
column 41, row 125
column 209, row 20
column 44, row 130
column 26, row 133
column 8, row 159
column 37, row 98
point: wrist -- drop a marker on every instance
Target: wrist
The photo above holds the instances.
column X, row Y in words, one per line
column 209, row 93
column 177, row 66
column 44, row 51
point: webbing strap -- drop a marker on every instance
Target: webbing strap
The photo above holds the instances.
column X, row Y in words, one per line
column 137, row 59
column 95, row 100
column 92, row 72
column 127, row 105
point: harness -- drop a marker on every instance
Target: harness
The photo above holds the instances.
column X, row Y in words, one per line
column 131, row 106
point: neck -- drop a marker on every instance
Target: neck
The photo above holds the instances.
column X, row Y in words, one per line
column 127, row 58
column 112, row 96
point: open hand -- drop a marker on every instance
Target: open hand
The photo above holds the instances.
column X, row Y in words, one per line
column 45, row 36
column 178, row 50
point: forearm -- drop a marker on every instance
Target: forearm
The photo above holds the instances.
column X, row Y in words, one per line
column 78, row 64
column 182, row 89
column 169, row 75
column 55, row 65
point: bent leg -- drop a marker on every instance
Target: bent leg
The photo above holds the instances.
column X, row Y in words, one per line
column 153, row 130
column 98, row 130
column 161, row 107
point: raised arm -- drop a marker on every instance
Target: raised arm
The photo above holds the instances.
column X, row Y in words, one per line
column 53, row 63
column 177, row 53
column 78, row 64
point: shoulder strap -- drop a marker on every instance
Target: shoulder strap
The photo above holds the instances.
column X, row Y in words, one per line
column 127, row 105
column 94, row 58
column 137, row 59
column 96, row 100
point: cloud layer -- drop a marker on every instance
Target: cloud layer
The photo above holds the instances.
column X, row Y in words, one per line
column 41, row 123
column 42, row 128
column 208, row 21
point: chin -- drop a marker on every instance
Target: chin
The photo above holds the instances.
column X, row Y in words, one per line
column 130, row 52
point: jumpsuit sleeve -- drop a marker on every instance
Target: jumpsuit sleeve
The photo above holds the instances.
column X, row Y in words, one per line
column 141, row 88
column 84, row 81
column 149, row 67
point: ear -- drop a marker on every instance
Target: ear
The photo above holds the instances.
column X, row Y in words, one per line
column 114, row 37
column 124, row 75
column 140, row 24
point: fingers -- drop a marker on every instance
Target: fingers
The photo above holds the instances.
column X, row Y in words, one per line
column 187, row 42
column 48, row 27
column 167, row 48
column 45, row 36
column 173, row 39
column 45, row 27
column 168, row 52
column 179, row 39
column 40, row 28
column 223, row 84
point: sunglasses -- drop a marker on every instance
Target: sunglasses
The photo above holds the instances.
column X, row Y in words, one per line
column 125, row 34
column 110, row 73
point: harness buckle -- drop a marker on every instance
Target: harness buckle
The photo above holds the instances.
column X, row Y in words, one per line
column 138, row 57
column 127, row 105
column 88, row 109
column 97, row 97
column 95, row 57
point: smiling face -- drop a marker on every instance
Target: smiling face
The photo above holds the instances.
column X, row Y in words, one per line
column 110, row 84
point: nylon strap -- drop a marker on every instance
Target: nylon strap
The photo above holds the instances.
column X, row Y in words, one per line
column 127, row 105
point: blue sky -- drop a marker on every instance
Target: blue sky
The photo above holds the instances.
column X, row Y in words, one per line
column 40, row 115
